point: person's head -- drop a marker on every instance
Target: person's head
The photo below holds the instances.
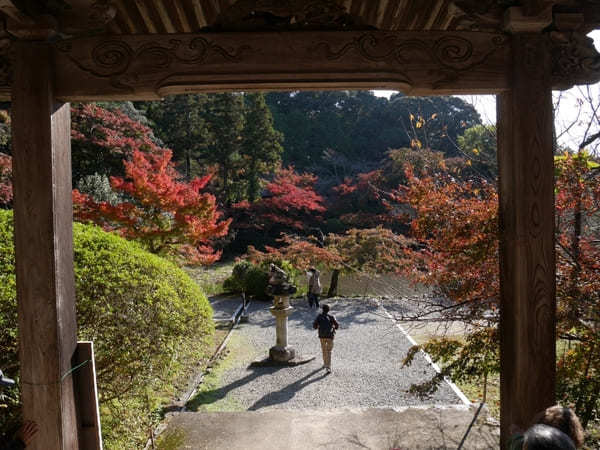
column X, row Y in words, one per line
column 545, row 437
column 312, row 270
column 325, row 308
column 565, row 420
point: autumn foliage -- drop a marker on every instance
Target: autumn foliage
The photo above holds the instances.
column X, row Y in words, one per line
column 362, row 201
column 456, row 225
column 102, row 138
column 166, row 214
column 290, row 202
column 6, row 190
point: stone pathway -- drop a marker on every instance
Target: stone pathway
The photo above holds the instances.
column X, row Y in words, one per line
column 224, row 306
column 367, row 363
column 340, row 429
column 363, row 404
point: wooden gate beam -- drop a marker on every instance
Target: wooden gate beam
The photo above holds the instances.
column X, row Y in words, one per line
column 151, row 66
column 527, row 261
column 44, row 248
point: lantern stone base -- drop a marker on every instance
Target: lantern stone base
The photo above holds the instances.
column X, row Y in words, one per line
column 282, row 354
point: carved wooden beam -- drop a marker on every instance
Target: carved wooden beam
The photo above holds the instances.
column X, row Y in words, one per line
column 40, row 20
column 574, row 60
column 148, row 67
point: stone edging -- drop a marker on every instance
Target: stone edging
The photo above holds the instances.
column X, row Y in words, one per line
column 454, row 387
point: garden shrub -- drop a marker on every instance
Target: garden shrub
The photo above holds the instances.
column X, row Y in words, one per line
column 253, row 279
column 147, row 318
column 249, row 278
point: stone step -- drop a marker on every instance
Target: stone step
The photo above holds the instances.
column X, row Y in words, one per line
column 411, row 428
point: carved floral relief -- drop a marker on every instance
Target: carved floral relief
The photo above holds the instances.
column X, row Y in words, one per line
column 124, row 65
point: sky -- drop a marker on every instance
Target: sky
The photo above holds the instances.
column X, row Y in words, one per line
column 574, row 111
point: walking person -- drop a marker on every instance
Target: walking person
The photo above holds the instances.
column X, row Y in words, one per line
column 326, row 324
column 314, row 287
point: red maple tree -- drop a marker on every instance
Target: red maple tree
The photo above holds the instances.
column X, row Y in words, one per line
column 456, row 224
column 361, row 201
column 167, row 215
column 289, row 203
column 101, row 138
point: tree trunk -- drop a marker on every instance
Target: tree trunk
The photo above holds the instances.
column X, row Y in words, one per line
column 253, row 184
column 188, row 166
column 333, row 286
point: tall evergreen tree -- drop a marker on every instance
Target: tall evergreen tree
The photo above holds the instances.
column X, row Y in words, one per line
column 261, row 148
column 182, row 124
column 226, row 124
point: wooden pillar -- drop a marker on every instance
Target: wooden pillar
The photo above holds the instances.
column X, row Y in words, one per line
column 44, row 248
column 527, row 267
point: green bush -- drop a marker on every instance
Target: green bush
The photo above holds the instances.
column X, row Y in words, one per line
column 248, row 278
column 253, row 279
column 147, row 318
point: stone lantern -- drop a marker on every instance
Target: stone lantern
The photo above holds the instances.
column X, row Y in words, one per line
column 281, row 289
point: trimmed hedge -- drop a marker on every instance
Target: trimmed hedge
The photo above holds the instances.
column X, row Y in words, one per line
column 147, row 318
column 253, row 279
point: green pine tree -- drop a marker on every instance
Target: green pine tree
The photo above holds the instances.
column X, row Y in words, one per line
column 261, row 146
column 182, row 125
column 226, row 122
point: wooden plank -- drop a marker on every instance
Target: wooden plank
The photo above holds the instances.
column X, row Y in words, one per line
column 8, row 8
column 387, row 21
column 146, row 16
column 164, row 17
column 181, row 16
column 44, row 248
column 130, row 67
column 90, row 433
column 124, row 15
column 434, row 14
column 199, row 13
column 527, row 267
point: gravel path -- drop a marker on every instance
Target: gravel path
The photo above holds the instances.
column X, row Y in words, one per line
column 367, row 362
column 224, row 306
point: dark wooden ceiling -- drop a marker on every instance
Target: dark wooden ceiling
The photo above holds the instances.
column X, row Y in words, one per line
column 183, row 16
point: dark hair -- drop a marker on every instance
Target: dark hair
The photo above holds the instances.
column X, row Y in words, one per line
column 325, row 308
column 565, row 420
column 545, row 437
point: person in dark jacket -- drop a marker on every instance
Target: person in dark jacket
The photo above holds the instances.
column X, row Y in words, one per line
column 326, row 324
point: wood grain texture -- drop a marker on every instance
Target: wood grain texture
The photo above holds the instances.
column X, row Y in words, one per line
column 90, row 434
column 527, row 260
column 148, row 67
column 44, row 249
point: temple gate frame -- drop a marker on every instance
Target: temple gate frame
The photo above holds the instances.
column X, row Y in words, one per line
column 521, row 65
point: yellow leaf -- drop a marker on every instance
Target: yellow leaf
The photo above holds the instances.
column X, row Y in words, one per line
column 412, row 117
column 476, row 151
column 468, row 162
column 419, row 124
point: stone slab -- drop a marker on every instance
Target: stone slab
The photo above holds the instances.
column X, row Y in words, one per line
column 408, row 428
